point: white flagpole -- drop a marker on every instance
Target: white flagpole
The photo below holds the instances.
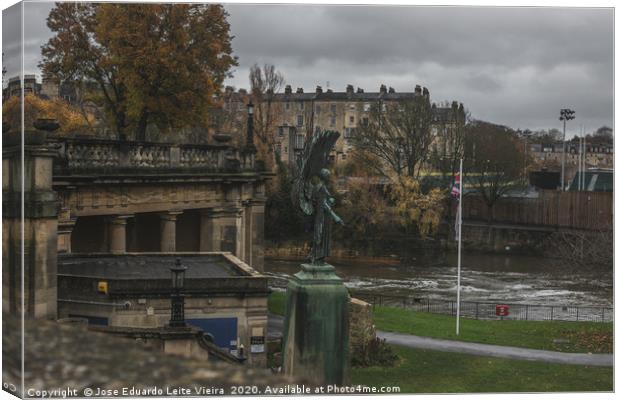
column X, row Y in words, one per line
column 458, row 267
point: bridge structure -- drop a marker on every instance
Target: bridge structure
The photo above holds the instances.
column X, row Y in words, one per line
column 71, row 196
column 119, row 197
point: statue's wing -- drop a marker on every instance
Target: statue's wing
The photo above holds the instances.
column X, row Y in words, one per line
column 314, row 157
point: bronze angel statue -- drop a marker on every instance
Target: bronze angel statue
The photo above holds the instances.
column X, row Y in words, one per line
column 310, row 192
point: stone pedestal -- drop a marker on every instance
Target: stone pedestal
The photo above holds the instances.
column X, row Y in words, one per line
column 316, row 329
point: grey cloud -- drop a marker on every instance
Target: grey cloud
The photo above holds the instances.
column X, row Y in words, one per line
column 515, row 66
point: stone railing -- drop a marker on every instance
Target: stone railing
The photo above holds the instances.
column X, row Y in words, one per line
column 110, row 155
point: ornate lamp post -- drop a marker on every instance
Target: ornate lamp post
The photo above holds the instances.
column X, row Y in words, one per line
column 566, row 114
column 250, row 134
column 177, row 299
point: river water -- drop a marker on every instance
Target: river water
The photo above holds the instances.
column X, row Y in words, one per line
column 484, row 278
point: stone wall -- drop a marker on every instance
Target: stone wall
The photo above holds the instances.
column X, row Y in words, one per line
column 361, row 326
column 67, row 356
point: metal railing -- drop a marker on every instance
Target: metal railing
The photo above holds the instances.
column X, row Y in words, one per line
column 487, row 310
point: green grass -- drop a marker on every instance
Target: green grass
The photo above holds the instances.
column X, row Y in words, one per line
column 583, row 336
column 276, row 303
column 426, row 371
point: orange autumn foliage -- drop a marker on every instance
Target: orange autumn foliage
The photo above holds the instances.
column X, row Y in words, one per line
column 71, row 120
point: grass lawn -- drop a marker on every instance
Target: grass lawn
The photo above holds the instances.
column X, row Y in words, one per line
column 276, row 303
column 426, row 371
column 582, row 336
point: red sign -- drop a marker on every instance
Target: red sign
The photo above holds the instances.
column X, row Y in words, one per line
column 502, row 310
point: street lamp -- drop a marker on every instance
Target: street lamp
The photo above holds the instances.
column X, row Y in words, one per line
column 250, row 134
column 566, row 114
column 177, row 300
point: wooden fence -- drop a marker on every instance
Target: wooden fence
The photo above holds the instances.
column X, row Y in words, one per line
column 578, row 210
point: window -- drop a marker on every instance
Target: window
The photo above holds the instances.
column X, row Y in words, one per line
column 301, row 105
column 352, row 107
column 288, row 105
column 365, row 121
column 366, row 106
column 333, row 108
column 318, row 109
column 281, row 130
column 300, row 120
column 332, row 121
column 351, row 119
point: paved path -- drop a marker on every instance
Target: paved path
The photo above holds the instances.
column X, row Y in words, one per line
column 276, row 323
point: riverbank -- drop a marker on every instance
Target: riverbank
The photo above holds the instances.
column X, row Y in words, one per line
column 571, row 337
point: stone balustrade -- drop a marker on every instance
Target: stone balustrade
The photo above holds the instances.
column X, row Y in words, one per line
column 110, row 155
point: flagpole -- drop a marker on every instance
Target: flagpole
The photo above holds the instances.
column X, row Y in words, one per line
column 458, row 267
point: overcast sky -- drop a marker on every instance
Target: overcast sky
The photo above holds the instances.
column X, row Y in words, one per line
column 513, row 66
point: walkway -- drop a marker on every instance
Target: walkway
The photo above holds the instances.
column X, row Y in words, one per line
column 487, row 350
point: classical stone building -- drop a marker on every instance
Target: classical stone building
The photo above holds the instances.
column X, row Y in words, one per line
column 103, row 220
column 297, row 114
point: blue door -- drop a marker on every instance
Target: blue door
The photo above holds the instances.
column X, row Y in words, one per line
column 91, row 320
column 224, row 330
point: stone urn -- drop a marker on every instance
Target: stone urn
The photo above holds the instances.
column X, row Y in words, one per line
column 46, row 124
column 222, row 137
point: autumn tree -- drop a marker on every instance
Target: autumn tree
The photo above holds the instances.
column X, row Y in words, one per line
column 416, row 208
column 398, row 133
column 151, row 63
column 70, row 119
column 265, row 82
column 494, row 160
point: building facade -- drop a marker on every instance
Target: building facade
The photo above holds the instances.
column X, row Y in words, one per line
column 294, row 115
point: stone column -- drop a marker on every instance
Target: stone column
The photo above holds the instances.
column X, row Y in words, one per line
column 210, row 229
column 221, row 229
column 258, row 235
column 65, row 228
column 169, row 231
column 36, row 264
column 117, row 233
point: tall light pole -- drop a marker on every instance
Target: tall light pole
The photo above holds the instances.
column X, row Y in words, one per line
column 566, row 114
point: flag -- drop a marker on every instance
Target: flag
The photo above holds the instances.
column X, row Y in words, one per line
column 456, row 189
column 456, row 193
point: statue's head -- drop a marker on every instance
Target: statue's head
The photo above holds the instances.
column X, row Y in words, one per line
column 324, row 174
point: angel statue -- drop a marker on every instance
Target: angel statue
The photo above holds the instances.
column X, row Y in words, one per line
column 310, row 191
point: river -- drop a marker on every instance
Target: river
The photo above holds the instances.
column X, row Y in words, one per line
column 484, row 278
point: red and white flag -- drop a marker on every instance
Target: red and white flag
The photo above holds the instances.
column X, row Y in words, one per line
column 456, row 189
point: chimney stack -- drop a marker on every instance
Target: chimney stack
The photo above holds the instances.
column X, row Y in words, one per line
column 319, row 90
column 425, row 92
column 382, row 89
column 349, row 89
column 300, row 90
column 418, row 90
column 288, row 90
column 391, row 90
column 360, row 90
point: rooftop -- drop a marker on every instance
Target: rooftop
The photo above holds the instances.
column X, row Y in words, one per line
column 149, row 265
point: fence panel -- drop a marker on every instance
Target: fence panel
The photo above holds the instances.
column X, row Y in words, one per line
column 579, row 210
